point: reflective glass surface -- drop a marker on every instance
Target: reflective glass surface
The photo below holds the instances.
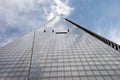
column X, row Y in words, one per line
column 70, row 55
column 15, row 58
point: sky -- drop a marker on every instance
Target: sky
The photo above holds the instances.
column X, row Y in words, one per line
column 18, row 17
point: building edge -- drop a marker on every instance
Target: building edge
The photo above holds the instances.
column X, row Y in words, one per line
column 103, row 39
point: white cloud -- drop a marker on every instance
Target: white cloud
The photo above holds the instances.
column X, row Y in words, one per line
column 109, row 31
column 114, row 33
column 28, row 14
column 108, row 25
column 61, row 8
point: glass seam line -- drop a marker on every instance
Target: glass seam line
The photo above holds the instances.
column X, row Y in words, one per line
column 31, row 54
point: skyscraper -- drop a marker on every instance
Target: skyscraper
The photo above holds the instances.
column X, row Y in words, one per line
column 60, row 50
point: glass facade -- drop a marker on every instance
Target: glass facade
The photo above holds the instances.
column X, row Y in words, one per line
column 15, row 59
column 73, row 54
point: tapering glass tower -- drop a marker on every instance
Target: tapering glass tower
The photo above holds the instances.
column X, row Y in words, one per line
column 60, row 50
